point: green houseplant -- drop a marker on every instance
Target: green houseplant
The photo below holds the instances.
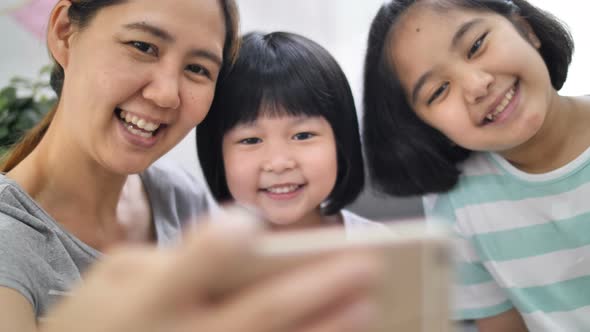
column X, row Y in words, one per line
column 23, row 103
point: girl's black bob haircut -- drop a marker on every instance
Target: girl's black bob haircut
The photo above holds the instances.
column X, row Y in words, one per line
column 279, row 74
column 404, row 155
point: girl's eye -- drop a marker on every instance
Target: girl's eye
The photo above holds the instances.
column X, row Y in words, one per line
column 145, row 47
column 438, row 92
column 199, row 70
column 250, row 141
column 476, row 46
column 303, row 136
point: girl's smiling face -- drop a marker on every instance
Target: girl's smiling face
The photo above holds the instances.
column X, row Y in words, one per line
column 474, row 76
column 138, row 78
column 285, row 166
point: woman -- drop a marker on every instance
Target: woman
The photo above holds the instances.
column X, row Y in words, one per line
column 133, row 78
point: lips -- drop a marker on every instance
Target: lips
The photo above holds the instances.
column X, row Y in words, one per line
column 500, row 105
column 139, row 125
column 282, row 191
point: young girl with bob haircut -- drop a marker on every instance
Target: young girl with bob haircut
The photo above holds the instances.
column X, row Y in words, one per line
column 461, row 104
column 133, row 78
column 282, row 135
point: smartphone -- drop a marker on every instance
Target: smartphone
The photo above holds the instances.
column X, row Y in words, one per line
column 413, row 292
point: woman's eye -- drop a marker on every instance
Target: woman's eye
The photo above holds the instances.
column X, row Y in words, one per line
column 144, row 47
column 250, row 141
column 199, row 70
column 303, row 136
column 438, row 92
column 476, row 46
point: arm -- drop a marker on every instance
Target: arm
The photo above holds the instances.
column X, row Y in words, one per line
column 17, row 312
column 170, row 290
column 509, row 321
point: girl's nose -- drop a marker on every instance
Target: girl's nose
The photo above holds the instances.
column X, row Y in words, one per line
column 279, row 164
column 477, row 85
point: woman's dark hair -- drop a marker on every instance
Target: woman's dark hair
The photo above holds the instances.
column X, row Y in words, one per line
column 81, row 13
column 405, row 156
column 283, row 74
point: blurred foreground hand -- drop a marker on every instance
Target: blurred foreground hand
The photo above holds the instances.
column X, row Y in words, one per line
column 145, row 289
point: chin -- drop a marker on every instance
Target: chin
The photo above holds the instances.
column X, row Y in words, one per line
column 127, row 167
column 281, row 223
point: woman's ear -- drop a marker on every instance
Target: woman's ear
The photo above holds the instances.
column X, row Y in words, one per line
column 59, row 32
column 527, row 31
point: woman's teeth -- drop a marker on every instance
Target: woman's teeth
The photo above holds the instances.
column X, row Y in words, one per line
column 502, row 106
column 283, row 189
column 146, row 128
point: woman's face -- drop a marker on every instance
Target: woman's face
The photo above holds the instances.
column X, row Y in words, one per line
column 138, row 78
column 473, row 76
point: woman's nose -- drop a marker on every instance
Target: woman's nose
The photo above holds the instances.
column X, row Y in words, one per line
column 164, row 90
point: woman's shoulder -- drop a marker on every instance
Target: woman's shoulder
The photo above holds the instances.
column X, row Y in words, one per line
column 170, row 184
column 166, row 172
column 167, row 175
column 18, row 211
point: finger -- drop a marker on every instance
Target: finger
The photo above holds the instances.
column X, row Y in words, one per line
column 307, row 290
column 211, row 250
column 358, row 316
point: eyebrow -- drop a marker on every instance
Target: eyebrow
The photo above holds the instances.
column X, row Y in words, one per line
column 303, row 118
column 463, row 29
column 296, row 120
column 151, row 29
column 167, row 37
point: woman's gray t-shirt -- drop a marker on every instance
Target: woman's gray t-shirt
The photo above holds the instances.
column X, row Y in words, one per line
column 42, row 261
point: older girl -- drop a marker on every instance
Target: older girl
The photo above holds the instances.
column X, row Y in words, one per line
column 461, row 103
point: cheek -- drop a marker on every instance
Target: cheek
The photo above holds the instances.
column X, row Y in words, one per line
column 240, row 173
column 197, row 103
column 111, row 79
column 532, row 124
column 323, row 162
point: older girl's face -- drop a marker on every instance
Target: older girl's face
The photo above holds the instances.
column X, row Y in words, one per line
column 473, row 76
column 138, row 78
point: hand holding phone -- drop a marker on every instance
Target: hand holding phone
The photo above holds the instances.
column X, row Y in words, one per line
column 412, row 292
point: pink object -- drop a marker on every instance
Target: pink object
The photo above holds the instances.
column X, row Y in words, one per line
column 34, row 15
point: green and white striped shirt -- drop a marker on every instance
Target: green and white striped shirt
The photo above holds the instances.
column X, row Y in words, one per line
column 523, row 241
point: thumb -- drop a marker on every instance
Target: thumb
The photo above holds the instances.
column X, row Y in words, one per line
column 209, row 252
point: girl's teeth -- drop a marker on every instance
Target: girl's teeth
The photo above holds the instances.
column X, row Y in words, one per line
column 282, row 190
column 500, row 108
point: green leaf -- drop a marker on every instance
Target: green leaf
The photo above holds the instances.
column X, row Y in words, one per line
column 21, row 82
column 9, row 119
column 3, row 104
column 26, row 121
column 46, row 69
column 21, row 103
column 3, row 132
column 43, row 109
column 9, row 93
